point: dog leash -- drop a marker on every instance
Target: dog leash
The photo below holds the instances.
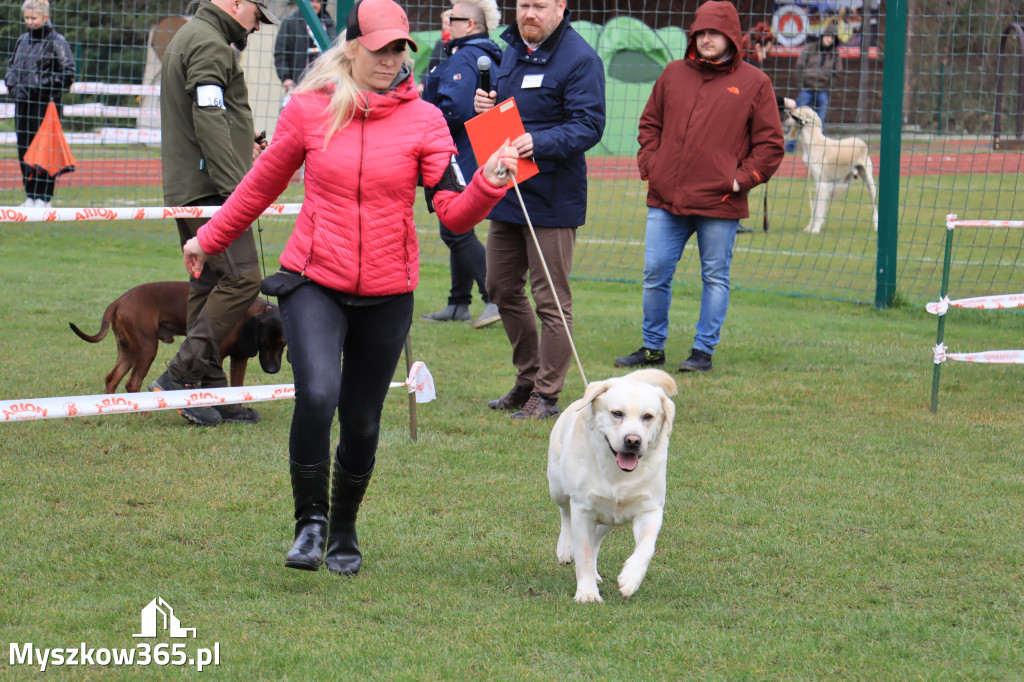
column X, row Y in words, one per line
column 551, row 283
column 263, row 259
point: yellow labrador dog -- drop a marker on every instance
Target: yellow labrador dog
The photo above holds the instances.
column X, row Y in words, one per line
column 831, row 164
column 607, row 460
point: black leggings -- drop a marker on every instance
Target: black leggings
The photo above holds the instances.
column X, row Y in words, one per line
column 343, row 358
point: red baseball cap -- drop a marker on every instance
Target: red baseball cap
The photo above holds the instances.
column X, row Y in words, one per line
column 378, row 22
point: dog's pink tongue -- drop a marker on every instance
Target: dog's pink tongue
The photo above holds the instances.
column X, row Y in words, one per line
column 627, row 461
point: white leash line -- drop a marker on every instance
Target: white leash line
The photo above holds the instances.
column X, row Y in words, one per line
column 551, row 284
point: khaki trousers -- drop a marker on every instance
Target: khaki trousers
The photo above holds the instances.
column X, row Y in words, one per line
column 541, row 359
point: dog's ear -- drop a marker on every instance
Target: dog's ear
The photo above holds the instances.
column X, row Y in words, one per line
column 656, row 377
column 669, row 410
column 248, row 337
column 593, row 391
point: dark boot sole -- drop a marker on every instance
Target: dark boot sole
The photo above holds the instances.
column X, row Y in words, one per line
column 344, row 571
column 302, row 566
column 686, row 370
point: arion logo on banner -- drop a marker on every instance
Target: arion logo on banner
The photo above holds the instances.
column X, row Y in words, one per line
column 158, row 615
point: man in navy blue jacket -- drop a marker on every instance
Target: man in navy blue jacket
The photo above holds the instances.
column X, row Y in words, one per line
column 450, row 86
column 557, row 80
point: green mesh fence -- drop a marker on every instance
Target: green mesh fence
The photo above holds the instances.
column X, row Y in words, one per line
column 961, row 136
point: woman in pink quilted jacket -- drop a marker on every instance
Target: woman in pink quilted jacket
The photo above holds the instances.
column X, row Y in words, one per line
column 351, row 264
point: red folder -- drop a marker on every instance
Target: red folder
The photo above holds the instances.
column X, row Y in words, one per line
column 489, row 130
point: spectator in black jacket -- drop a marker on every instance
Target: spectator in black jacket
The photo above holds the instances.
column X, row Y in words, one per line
column 295, row 48
column 41, row 69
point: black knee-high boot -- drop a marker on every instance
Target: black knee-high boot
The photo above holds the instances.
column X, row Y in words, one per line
column 310, row 487
column 347, row 491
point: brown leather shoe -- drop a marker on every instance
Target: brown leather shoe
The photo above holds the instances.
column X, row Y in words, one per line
column 538, row 407
column 512, row 400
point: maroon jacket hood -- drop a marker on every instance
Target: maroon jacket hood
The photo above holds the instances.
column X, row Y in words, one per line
column 720, row 15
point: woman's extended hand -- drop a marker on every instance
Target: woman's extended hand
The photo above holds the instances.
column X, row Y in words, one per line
column 194, row 257
column 502, row 166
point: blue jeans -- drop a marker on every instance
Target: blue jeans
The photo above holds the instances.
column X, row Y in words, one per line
column 815, row 99
column 343, row 359
column 667, row 234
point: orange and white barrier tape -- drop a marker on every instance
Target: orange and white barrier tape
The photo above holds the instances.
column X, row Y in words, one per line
column 989, row 357
column 999, row 302
column 950, row 224
column 21, row 214
column 420, row 382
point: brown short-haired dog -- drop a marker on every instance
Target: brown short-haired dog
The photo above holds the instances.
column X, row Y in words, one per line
column 157, row 311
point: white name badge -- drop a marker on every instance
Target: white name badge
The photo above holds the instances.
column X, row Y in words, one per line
column 533, row 80
column 210, row 96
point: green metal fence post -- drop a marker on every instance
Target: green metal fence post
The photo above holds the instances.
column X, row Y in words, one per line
column 313, row 21
column 941, row 334
column 341, row 13
column 889, row 174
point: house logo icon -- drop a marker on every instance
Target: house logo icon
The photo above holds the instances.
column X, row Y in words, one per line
column 158, row 615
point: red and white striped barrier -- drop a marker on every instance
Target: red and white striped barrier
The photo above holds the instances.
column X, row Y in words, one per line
column 952, row 222
column 20, row 214
column 942, row 306
column 999, row 302
column 987, row 357
column 420, row 382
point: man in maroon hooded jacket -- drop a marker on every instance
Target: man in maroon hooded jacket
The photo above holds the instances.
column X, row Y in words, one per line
column 709, row 133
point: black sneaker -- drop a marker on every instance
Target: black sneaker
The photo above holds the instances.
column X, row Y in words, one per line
column 203, row 416
column 643, row 357
column 699, row 361
column 237, row 413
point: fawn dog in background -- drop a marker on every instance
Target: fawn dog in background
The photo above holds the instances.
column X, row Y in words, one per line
column 831, row 164
column 157, row 311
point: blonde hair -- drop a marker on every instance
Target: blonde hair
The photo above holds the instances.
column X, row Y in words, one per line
column 332, row 72
column 488, row 10
column 36, row 5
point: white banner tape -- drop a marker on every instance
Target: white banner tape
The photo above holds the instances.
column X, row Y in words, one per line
column 990, row 357
column 1000, row 302
column 19, row 214
column 419, row 382
column 985, row 223
column 938, row 307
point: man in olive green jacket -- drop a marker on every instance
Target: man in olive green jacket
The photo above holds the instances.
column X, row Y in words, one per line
column 207, row 133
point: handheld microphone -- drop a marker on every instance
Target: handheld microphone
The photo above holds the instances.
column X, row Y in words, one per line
column 483, row 63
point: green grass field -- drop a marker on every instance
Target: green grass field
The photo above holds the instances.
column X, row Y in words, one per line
column 840, row 263
column 821, row 522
